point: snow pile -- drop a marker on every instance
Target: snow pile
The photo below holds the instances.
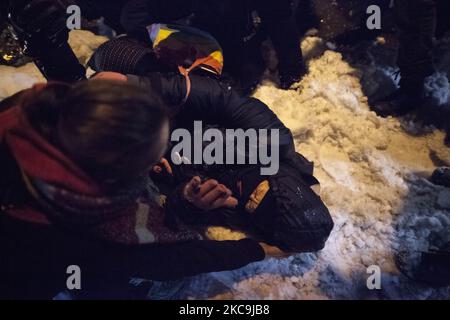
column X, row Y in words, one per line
column 15, row 79
column 373, row 177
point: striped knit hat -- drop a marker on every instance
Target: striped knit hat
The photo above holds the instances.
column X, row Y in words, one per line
column 124, row 55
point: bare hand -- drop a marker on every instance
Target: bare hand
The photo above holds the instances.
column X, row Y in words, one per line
column 113, row 76
column 274, row 252
column 209, row 195
column 161, row 166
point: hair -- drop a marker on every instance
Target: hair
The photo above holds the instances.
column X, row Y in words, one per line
column 109, row 129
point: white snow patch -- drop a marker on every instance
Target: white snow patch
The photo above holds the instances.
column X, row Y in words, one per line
column 372, row 176
column 438, row 87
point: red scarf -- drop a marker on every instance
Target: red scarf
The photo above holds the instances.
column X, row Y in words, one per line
column 58, row 183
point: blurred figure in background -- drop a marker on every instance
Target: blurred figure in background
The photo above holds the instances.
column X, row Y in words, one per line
column 239, row 26
column 416, row 21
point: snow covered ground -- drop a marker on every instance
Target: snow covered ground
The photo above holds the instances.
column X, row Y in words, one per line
column 373, row 173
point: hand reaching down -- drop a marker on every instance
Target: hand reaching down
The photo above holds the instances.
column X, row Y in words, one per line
column 208, row 195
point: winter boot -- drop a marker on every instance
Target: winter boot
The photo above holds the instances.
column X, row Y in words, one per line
column 401, row 102
column 441, row 177
column 431, row 268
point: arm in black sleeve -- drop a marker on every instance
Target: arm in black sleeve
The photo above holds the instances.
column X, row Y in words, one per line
column 215, row 103
column 50, row 251
column 106, row 261
column 173, row 261
column 164, row 262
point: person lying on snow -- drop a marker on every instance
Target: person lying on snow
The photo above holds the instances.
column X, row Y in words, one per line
column 75, row 188
column 87, row 197
column 273, row 208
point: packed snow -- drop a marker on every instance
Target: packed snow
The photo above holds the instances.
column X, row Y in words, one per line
column 373, row 174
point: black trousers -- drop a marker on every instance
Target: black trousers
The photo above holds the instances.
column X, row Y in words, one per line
column 416, row 20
